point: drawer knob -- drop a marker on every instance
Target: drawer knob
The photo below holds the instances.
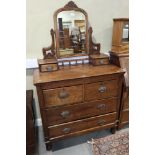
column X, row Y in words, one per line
column 101, row 106
column 49, row 68
column 101, row 122
column 102, row 89
column 66, row 130
column 65, row 114
column 63, row 94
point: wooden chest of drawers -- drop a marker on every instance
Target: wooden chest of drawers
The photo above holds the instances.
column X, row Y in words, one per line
column 122, row 60
column 78, row 100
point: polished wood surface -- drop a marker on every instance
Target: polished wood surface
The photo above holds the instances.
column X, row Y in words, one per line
column 80, row 111
column 119, row 46
column 99, row 59
column 102, row 89
column 99, row 56
column 80, row 94
column 75, row 72
column 46, row 61
column 48, row 65
column 122, row 60
column 125, row 117
column 49, row 52
column 64, row 95
column 49, row 68
column 30, row 129
column 80, row 125
column 78, row 99
column 94, row 48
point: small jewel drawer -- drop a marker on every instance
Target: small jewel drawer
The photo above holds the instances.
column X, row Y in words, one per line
column 48, row 65
column 99, row 59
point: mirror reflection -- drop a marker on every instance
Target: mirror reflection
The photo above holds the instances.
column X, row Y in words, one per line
column 71, row 31
column 125, row 37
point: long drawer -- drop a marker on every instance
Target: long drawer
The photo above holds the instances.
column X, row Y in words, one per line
column 101, row 90
column 64, row 95
column 64, row 114
column 80, row 125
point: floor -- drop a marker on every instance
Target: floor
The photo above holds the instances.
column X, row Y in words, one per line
column 72, row 146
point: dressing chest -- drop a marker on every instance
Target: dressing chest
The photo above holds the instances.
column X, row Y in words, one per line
column 78, row 97
column 78, row 100
column 119, row 56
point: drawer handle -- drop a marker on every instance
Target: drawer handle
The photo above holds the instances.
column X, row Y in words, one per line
column 49, row 68
column 66, row 130
column 63, row 94
column 65, row 114
column 101, row 122
column 101, row 106
column 102, row 89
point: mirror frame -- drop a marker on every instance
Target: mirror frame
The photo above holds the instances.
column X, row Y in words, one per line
column 70, row 6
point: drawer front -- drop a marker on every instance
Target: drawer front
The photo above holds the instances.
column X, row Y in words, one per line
column 125, row 116
column 80, row 125
column 101, row 90
column 101, row 61
column 62, row 96
column 74, row 112
column 49, row 67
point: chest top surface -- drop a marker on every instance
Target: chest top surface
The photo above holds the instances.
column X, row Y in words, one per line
column 75, row 72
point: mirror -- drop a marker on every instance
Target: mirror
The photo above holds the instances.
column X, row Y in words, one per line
column 71, row 29
column 72, row 32
column 125, row 36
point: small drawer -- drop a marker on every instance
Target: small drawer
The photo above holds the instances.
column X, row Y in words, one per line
column 125, row 116
column 101, row 90
column 62, row 96
column 97, row 62
column 79, row 111
column 80, row 125
column 99, row 59
column 49, row 67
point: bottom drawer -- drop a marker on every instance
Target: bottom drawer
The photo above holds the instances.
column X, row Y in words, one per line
column 125, row 116
column 80, row 125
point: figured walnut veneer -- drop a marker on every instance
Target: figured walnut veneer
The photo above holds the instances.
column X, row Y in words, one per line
column 78, row 99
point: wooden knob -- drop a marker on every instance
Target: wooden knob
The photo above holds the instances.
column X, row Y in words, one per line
column 49, row 68
column 63, row 94
column 102, row 89
column 66, row 130
column 101, row 106
column 101, row 122
column 65, row 114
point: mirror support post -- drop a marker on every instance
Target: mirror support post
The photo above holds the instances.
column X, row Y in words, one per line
column 49, row 52
column 94, row 48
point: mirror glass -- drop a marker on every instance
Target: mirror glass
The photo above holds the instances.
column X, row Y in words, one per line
column 71, row 26
column 125, row 36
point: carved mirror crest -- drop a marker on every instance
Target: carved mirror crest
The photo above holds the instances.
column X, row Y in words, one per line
column 71, row 36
